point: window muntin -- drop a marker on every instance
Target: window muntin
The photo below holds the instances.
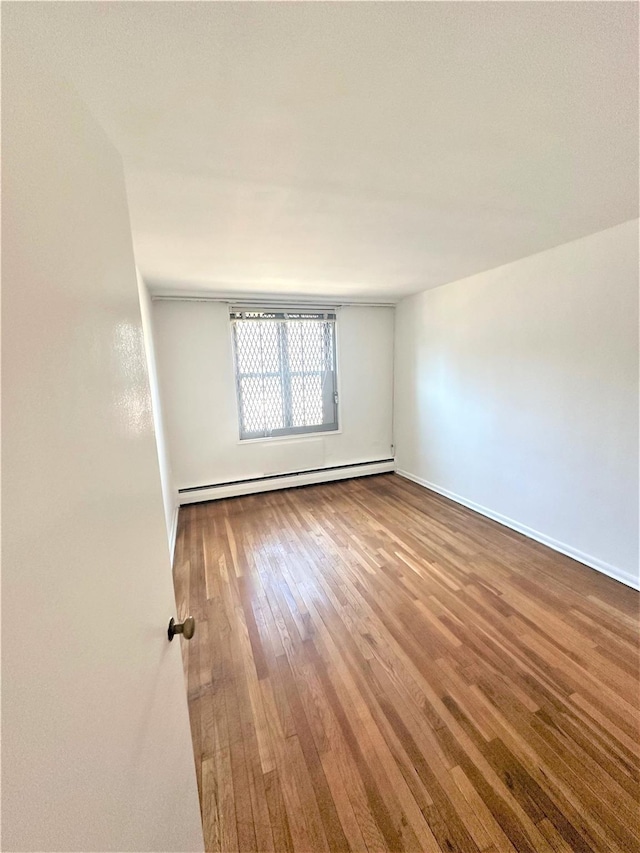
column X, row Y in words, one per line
column 285, row 365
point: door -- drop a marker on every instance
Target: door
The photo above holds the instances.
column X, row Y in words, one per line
column 96, row 749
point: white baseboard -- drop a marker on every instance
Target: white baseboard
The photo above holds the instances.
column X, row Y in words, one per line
column 174, row 533
column 252, row 487
column 592, row 562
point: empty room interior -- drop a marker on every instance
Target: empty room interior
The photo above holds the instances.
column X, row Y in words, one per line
column 320, row 427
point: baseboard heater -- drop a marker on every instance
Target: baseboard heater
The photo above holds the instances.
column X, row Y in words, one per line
column 271, row 482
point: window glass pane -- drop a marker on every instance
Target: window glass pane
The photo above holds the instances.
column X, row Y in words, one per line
column 272, row 401
column 313, row 349
column 294, row 346
column 260, row 404
column 248, row 353
column 251, row 409
column 270, row 343
column 297, row 401
column 257, row 346
column 329, row 346
column 306, row 399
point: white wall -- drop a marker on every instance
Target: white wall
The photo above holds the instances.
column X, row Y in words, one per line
column 169, row 492
column 96, row 747
column 516, row 391
column 195, row 366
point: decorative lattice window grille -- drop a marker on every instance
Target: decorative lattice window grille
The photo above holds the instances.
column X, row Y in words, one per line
column 285, row 365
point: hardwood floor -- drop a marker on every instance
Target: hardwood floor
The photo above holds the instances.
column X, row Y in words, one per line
column 377, row 668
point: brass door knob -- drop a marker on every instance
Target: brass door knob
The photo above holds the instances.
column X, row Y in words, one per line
column 186, row 628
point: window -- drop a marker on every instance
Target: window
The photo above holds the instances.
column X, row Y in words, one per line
column 285, row 371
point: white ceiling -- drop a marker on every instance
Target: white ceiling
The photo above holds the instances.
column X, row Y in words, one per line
column 353, row 149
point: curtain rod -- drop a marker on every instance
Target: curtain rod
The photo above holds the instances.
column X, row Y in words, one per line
column 270, row 303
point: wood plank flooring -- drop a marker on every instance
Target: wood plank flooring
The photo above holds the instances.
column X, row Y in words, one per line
column 377, row 668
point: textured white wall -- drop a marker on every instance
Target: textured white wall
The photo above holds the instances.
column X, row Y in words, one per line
column 516, row 390
column 169, row 492
column 195, row 366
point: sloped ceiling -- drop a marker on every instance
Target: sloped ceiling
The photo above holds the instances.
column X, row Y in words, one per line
column 353, row 149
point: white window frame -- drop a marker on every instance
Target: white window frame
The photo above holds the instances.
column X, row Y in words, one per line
column 284, row 315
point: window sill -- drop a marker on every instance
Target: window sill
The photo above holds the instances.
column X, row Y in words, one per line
column 301, row 436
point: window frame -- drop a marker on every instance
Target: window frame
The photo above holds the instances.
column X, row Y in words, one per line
column 291, row 432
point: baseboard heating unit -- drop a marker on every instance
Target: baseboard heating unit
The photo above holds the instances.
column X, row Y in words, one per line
column 271, row 482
